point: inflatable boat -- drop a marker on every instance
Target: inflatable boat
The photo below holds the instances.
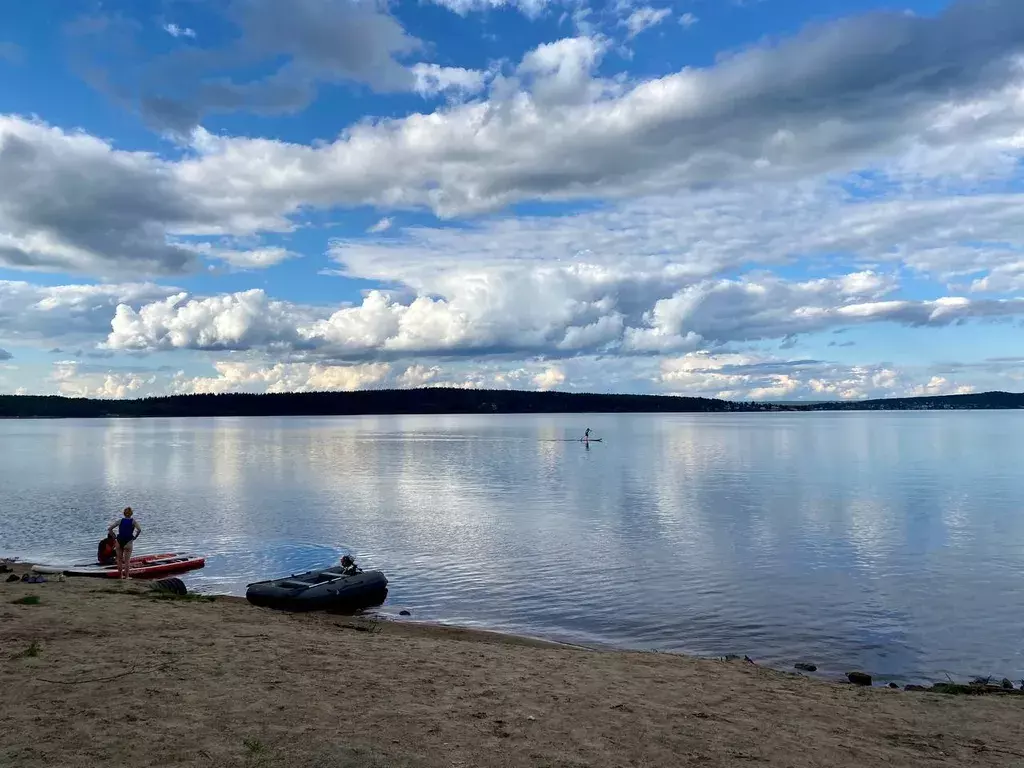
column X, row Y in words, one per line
column 142, row 566
column 324, row 590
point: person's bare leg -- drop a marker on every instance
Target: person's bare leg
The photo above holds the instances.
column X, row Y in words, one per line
column 127, row 560
column 119, row 553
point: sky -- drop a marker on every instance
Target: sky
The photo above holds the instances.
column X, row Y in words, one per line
column 749, row 199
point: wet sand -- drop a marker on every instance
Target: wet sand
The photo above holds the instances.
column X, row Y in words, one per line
column 100, row 673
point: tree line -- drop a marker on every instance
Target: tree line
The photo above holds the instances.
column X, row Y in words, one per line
column 445, row 400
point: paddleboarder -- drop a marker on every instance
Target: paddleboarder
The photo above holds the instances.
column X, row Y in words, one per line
column 586, row 435
column 128, row 530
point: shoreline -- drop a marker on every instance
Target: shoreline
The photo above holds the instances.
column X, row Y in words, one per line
column 390, row 615
column 447, row 401
column 203, row 681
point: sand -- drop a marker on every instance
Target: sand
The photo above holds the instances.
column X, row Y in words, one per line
column 102, row 674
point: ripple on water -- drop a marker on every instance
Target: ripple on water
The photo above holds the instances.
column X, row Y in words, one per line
column 890, row 542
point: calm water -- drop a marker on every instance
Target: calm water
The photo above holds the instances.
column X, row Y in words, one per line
column 893, row 542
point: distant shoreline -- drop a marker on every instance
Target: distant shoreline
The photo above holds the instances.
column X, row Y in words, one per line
column 441, row 401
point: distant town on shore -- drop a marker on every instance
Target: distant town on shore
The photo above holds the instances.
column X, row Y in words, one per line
column 443, row 400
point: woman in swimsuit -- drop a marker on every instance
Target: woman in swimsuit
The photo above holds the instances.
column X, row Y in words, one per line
column 128, row 531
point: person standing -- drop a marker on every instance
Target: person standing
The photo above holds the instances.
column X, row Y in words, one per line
column 128, row 530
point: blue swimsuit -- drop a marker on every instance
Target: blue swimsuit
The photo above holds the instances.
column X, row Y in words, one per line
column 125, row 531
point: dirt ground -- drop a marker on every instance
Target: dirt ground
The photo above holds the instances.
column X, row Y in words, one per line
column 101, row 673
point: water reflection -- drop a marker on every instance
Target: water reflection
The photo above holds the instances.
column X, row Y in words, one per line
column 886, row 541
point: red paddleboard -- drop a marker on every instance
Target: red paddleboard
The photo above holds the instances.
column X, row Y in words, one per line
column 142, row 566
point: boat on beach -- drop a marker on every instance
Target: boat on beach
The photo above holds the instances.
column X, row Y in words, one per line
column 142, row 566
column 328, row 589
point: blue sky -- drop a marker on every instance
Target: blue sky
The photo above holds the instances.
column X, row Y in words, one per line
column 746, row 199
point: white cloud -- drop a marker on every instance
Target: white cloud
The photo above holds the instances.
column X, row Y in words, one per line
column 553, row 131
column 71, row 381
column 560, row 74
column 738, row 376
column 175, row 31
column 70, row 314
column 778, row 112
column 756, row 377
column 645, row 18
column 234, row 321
column 303, row 44
column 282, row 377
column 432, row 80
column 1005, row 277
column 851, row 155
column 530, row 8
column 69, row 202
column 938, row 385
column 418, row 376
column 688, row 19
column 262, row 257
column 550, row 378
column 551, row 311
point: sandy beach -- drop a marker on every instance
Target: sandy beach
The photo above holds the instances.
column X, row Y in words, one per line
column 102, row 673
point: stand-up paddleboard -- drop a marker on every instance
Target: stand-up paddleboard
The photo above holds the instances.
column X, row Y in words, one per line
column 142, row 566
column 591, row 439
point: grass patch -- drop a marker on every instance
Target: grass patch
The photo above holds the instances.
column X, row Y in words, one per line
column 257, row 754
column 31, row 652
column 27, row 600
column 189, row 598
column 972, row 689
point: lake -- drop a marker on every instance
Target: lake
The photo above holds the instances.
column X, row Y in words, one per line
column 892, row 542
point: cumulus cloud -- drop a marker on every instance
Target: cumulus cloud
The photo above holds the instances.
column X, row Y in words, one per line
column 645, row 18
column 235, row 321
column 282, row 377
column 75, row 380
column 306, row 42
column 70, row 202
column 418, row 376
column 560, row 74
column 73, row 203
column 458, row 82
column 747, row 310
column 1006, row 277
column 733, row 375
column 550, row 378
column 736, row 173
column 556, row 311
column 529, row 8
column 5, row 355
column 743, row 376
column 255, row 258
column 938, row 385
column 553, row 130
column 773, row 112
column 67, row 313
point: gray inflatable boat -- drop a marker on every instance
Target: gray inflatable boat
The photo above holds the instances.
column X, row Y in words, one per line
column 325, row 590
